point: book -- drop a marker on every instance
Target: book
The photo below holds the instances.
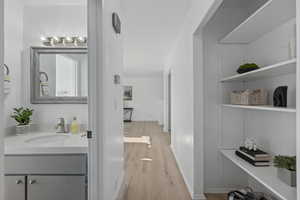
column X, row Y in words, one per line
column 252, row 162
column 266, row 158
column 258, row 154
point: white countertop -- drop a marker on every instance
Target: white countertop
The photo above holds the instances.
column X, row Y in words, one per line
column 46, row 143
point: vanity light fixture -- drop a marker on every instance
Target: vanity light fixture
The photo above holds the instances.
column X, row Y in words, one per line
column 68, row 41
column 44, row 39
column 57, row 39
column 47, row 41
column 80, row 41
column 64, row 41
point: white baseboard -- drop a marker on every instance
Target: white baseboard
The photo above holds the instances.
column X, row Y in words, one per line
column 218, row 190
column 191, row 191
column 199, row 197
column 122, row 187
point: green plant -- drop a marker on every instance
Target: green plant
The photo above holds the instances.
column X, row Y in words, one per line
column 286, row 162
column 247, row 67
column 22, row 115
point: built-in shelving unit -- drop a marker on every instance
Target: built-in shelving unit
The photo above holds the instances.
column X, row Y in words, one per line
column 262, row 108
column 262, row 21
column 267, row 176
column 282, row 68
column 271, row 15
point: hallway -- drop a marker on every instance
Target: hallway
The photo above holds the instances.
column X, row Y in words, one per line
column 152, row 172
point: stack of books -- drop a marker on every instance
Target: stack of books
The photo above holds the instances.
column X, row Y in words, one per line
column 257, row 158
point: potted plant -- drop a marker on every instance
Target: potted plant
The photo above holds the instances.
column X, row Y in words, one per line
column 23, row 119
column 248, row 67
column 286, row 169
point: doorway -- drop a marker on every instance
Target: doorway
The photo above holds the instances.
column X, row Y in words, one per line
column 170, row 102
column 1, row 99
column 96, row 101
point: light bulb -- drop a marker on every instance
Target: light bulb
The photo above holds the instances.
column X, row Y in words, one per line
column 44, row 39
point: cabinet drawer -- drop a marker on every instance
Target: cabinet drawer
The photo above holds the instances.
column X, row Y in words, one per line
column 46, row 164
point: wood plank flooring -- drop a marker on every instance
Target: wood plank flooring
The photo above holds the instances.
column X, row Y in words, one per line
column 151, row 171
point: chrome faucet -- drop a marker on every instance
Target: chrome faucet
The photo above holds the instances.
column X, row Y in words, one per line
column 60, row 127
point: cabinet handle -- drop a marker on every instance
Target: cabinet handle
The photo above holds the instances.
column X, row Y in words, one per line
column 18, row 182
column 31, row 182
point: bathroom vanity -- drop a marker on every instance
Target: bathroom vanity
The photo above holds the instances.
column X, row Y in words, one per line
column 46, row 166
column 49, row 165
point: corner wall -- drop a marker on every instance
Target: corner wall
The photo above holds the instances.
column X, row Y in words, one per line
column 181, row 63
column 113, row 102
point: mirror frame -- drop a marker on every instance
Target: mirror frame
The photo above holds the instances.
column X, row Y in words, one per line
column 35, row 78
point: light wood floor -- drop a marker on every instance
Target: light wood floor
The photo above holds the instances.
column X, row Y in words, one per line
column 151, row 171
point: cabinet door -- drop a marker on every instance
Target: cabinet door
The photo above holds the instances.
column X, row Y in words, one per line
column 56, row 187
column 15, row 187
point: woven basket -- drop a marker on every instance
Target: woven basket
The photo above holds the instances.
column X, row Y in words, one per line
column 249, row 97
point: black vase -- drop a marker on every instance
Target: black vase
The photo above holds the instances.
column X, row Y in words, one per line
column 280, row 96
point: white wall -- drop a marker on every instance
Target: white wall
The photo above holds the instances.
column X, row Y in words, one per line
column 51, row 20
column 147, row 97
column 181, row 63
column 106, row 110
column 113, row 103
column 13, row 47
column 274, row 47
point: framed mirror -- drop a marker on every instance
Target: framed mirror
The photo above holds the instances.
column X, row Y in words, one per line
column 59, row 75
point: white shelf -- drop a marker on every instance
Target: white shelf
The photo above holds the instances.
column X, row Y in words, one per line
column 263, row 108
column 266, row 18
column 267, row 176
column 282, row 68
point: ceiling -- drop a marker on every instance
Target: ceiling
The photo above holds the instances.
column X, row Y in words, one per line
column 150, row 29
column 55, row 2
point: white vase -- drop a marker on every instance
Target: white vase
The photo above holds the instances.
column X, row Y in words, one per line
column 22, row 129
column 287, row 176
column 292, row 48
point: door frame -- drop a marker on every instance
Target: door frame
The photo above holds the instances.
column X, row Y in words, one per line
column 1, row 100
column 298, row 94
column 95, row 100
column 199, row 100
column 169, row 83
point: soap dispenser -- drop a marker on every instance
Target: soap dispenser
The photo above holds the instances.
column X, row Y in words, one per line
column 74, row 128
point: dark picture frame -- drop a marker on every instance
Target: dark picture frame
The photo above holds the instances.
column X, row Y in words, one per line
column 127, row 93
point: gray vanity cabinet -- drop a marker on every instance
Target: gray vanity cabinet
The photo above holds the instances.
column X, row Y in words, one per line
column 56, row 187
column 46, row 177
column 15, row 187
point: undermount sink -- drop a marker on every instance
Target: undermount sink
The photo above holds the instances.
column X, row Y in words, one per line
column 47, row 139
column 46, row 143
